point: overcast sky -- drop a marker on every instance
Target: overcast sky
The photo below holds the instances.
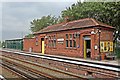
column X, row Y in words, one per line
column 16, row 16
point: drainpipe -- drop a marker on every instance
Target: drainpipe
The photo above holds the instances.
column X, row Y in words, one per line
column 116, row 47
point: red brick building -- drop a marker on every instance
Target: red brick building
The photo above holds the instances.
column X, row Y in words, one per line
column 85, row 38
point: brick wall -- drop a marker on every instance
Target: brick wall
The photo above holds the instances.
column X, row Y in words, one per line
column 28, row 43
column 61, row 49
column 105, row 35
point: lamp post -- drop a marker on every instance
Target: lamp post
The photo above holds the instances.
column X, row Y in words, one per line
column 117, row 38
column 116, row 43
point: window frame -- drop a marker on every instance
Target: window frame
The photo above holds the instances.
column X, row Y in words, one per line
column 36, row 41
column 67, row 43
column 52, row 41
column 67, row 36
column 71, row 36
column 74, row 43
column 71, row 43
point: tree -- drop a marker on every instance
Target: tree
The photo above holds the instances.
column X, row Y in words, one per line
column 3, row 44
column 29, row 36
column 0, row 44
column 43, row 22
column 106, row 12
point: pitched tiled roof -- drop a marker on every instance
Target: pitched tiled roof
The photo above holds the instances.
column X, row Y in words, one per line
column 82, row 23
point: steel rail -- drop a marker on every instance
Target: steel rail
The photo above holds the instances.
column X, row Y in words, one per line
column 26, row 71
column 27, row 76
column 97, row 72
column 51, row 77
column 89, row 64
column 11, row 70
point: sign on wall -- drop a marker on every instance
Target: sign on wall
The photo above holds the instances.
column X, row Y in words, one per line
column 106, row 46
column 111, row 46
column 60, row 40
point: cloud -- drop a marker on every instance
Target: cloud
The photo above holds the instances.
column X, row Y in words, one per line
column 23, row 9
column 15, row 34
column 39, row 0
column 0, row 21
column 16, row 16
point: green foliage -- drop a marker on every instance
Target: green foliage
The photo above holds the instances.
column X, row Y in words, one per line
column 29, row 36
column 106, row 12
column 0, row 44
column 3, row 44
column 117, row 51
column 45, row 21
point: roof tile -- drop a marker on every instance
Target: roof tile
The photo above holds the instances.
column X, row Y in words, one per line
column 82, row 23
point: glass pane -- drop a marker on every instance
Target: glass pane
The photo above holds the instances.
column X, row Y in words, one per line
column 74, row 43
column 66, row 43
column 66, row 36
column 70, row 35
column 74, row 35
column 54, row 43
column 70, row 43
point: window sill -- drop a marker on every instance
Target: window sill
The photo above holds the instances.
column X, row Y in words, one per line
column 52, row 47
column 75, row 48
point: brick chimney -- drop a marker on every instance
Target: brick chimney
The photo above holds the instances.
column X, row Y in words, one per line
column 66, row 19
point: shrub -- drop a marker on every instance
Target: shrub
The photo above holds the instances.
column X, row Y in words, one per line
column 117, row 51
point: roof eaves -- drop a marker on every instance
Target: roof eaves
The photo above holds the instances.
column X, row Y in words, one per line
column 95, row 23
column 101, row 24
column 64, row 30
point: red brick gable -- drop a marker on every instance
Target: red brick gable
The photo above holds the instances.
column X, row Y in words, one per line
column 82, row 23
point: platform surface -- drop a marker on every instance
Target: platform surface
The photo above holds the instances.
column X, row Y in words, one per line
column 111, row 62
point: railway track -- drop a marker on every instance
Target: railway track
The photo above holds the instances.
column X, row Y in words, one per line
column 110, row 67
column 52, row 74
column 84, row 64
column 29, row 74
column 8, row 72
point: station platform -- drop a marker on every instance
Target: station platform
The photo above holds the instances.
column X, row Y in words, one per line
column 110, row 62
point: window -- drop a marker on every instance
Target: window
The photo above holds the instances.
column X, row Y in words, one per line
column 78, row 35
column 66, row 43
column 70, row 36
column 49, row 41
column 71, row 40
column 74, row 43
column 52, row 44
column 74, row 36
column 36, row 42
column 66, row 36
column 67, row 40
column 49, row 38
column 70, row 43
column 52, row 41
